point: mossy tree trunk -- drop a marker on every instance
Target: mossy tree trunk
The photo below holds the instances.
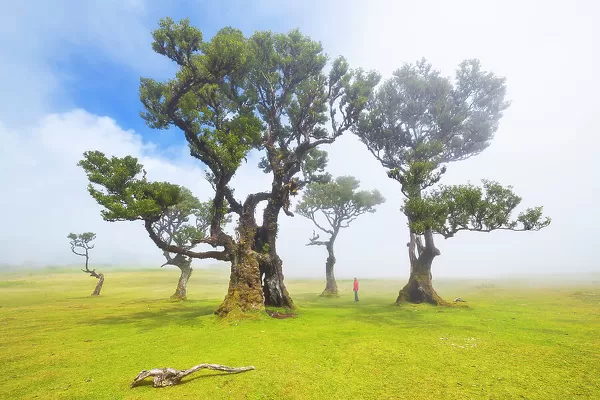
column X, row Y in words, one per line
column 245, row 293
column 419, row 288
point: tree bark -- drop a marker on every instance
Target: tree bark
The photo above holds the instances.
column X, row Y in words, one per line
column 419, row 288
column 245, row 293
column 271, row 266
column 99, row 284
column 331, row 288
column 186, row 272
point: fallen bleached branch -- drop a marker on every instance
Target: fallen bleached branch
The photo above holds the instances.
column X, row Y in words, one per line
column 169, row 376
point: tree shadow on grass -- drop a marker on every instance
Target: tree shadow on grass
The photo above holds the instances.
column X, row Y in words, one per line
column 161, row 315
column 374, row 310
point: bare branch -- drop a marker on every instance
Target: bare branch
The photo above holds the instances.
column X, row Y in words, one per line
column 314, row 241
column 451, row 233
column 217, row 255
column 162, row 377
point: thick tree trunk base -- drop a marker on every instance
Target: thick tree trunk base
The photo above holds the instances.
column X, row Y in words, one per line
column 419, row 289
column 245, row 294
column 178, row 297
column 331, row 288
column 98, row 285
column 240, row 301
column 330, row 292
column 162, row 377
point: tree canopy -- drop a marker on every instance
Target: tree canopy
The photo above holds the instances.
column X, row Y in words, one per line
column 81, row 241
column 339, row 202
column 165, row 208
column 450, row 209
column 419, row 116
column 417, row 122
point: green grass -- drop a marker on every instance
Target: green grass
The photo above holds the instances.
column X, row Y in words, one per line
column 512, row 342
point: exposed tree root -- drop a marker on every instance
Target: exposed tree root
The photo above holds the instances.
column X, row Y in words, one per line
column 162, row 377
column 330, row 291
column 278, row 315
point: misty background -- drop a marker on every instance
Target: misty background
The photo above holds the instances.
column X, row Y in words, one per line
column 52, row 109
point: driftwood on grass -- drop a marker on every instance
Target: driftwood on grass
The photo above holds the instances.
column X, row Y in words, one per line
column 162, row 377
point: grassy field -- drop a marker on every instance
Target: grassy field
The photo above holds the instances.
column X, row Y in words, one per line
column 509, row 343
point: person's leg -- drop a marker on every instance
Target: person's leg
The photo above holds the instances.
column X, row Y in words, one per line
column 355, row 295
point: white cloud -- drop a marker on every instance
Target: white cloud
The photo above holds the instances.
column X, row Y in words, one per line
column 46, row 192
column 546, row 145
column 40, row 35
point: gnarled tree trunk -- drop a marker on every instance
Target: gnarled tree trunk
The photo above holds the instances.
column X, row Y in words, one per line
column 419, row 288
column 331, row 288
column 186, row 272
column 245, row 293
column 274, row 290
column 184, row 263
column 271, row 266
column 98, row 288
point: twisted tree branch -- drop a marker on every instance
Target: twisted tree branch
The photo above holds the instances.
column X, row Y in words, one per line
column 162, row 377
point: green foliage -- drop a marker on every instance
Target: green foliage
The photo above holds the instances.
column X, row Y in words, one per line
column 81, row 240
column 313, row 166
column 420, row 116
column 209, row 98
column 339, row 201
column 296, row 100
column 115, row 185
column 419, row 120
column 188, row 221
column 418, row 175
column 266, row 92
column 284, row 65
column 177, row 216
column 179, row 42
column 174, row 224
column 450, row 209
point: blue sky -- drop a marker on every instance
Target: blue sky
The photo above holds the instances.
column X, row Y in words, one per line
column 103, row 85
column 69, row 78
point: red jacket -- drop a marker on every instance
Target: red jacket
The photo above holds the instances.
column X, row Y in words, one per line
column 355, row 285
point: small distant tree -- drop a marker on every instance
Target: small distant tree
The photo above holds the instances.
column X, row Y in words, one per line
column 418, row 122
column 332, row 206
column 81, row 244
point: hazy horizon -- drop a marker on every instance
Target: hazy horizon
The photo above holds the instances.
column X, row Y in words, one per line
column 70, row 78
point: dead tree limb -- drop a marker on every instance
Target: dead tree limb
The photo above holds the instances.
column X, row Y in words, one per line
column 162, row 377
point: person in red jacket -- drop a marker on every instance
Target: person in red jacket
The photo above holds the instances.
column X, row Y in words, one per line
column 355, row 289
